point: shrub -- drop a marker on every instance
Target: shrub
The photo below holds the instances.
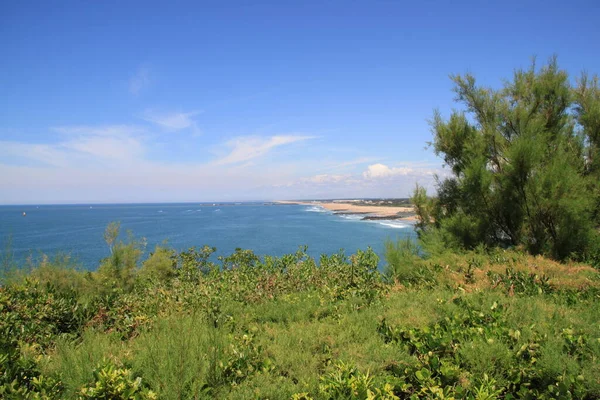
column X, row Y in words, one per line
column 160, row 266
column 118, row 270
column 405, row 265
column 346, row 382
column 475, row 353
column 114, row 383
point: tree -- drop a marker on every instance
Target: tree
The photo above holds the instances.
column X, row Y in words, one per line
column 118, row 269
column 525, row 165
column 111, row 233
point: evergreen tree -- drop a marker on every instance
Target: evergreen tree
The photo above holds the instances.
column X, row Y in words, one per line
column 525, row 162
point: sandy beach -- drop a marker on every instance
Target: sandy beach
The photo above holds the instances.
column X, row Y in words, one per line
column 377, row 211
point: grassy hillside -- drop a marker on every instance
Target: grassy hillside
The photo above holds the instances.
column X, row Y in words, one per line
column 479, row 325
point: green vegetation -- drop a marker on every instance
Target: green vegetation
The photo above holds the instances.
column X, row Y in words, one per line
column 525, row 166
column 480, row 325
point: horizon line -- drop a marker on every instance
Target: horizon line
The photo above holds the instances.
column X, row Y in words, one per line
column 195, row 202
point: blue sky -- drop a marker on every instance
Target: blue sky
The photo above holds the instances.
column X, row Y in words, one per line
column 140, row 101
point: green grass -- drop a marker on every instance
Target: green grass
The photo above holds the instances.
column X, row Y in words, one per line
column 473, row 326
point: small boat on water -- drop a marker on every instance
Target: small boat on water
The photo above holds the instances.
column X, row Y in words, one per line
column 24, row 214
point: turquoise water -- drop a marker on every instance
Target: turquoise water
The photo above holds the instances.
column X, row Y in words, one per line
column 266, row 229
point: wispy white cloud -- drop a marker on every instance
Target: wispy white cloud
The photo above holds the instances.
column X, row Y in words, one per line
column 44, row 154
column 172, row 121
column 324, row 179
column 247, row 148
column 81, row 145
column 139, row 81
column 102, row 130
column 125, row 149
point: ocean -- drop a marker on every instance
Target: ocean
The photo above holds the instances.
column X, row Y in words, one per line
column 263, row 228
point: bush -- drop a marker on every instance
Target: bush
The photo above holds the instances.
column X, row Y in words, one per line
column 160, row 266
column 474, row 353
column 114, row 383
column 405, row 265
column 346, row 382
column 118, row 270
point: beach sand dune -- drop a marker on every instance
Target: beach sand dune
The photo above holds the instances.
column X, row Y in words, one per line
column 338, row 206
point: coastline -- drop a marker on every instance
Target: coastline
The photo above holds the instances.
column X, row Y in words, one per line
column 370, row 212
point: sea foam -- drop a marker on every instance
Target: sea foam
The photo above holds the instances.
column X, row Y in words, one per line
column 318, row 209
column 352, row 217
column 396, row 224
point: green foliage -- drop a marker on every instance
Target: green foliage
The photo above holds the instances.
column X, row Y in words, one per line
column 7, row 260
column 111, row 233
column 243, row 358
column 346, row 382
column 240, row 259
column 474, row 353
column 160, row 266
column 36, row 313
column 33, row 315
column 524, row 166
column 404, row 264
column 519, row 282
column 193, row 263
column 60, row 273
column 278, row 327
column 115, row 383
column 117, row 272
column 424, row 207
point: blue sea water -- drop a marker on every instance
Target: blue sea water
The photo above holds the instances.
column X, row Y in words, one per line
column 265, row 229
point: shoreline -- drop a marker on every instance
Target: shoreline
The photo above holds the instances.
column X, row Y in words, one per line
column 374, row 212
